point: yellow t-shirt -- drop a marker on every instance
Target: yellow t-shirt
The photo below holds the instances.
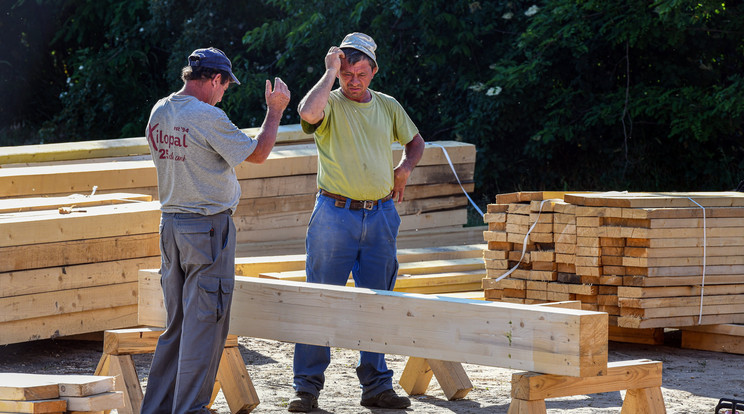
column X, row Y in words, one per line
column 355, row 157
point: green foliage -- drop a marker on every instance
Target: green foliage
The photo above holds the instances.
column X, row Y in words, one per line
column 625, row 95
column 559, row 94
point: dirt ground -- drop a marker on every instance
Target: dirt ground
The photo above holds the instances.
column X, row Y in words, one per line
column 693, row 380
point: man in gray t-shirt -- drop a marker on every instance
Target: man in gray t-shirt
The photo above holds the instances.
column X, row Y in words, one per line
column 195, row 148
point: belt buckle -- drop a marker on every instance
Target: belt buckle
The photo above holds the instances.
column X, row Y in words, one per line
column 368, row 204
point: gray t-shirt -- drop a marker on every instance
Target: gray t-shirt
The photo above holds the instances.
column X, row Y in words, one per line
column 195, row 148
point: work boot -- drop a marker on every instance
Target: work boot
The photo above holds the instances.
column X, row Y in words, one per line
column 387, row 399
column 303, row 402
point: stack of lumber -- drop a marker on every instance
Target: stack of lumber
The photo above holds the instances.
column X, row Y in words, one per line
column 637, row 256
column 726, row 337
column 36, row 393
column 110, row 149
column 73, row 273
column 278, row 194
column 67, row 266
column 443, row 269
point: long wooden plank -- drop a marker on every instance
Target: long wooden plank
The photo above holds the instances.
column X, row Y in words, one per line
column 114, row 147
column 54, row 279
column 99, row 221
column 34, row 406
column 685, row 270
column 81, row 178
column 67, row 253
column 677, row 291
column 63, row 385
column 712, row 341
column 667, row 233
column 658, row 200
column 621, row 375
column 99, row 402
column 408, row 268
column 25, row 330
column 645, row 281
column 696, row 260
column 14, row 308
column 78, row 201
column 676, row 252
column 411, row 222
column 682, row 301
column 14, row 386
column 252, row 266
column 679, row 321
column 550, row 340
column 140, row 341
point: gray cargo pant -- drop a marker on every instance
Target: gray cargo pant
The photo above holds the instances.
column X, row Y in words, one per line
column 197, row 277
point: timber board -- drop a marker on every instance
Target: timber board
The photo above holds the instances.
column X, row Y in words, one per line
column 565, row 341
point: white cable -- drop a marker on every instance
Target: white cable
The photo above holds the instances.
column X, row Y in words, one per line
column 524, row 244
column 705, row 254
column 458, row 178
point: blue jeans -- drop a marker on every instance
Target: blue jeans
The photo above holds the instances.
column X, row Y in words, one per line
column 340, row 241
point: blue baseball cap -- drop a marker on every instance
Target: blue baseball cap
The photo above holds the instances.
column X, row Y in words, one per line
column 212, row 58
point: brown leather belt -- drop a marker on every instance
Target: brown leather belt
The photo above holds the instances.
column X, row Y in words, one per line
column 355, row 204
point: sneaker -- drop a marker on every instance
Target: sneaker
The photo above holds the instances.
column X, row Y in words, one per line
column 387, row 399
column 303, row 402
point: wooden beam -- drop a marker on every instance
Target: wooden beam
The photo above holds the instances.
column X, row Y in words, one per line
column 129, row 175
column 54, row 326
column 76, row 202
column 99, row 221
column 108, row 148
column 552, row 340
column 621, row 375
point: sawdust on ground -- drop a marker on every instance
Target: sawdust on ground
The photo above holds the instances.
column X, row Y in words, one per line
column 693, row 381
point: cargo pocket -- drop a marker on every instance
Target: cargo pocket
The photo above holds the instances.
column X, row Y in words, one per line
column 215, row 294
column 195, row 242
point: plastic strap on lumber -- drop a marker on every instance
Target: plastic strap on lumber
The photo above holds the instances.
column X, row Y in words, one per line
column 446, row 155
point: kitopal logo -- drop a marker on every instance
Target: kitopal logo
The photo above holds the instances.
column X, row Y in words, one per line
column 164, row 143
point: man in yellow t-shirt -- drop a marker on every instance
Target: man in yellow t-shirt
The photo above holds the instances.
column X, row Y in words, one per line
column 354, row 225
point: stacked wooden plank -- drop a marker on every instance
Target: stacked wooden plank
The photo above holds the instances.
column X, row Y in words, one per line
column 637, row 256
column 727, row 337
column 67, row 266
column 521, row 242
column 73, row 269
column 124, row 148
column 35, row 393
column 444, row 269
column 277, row 194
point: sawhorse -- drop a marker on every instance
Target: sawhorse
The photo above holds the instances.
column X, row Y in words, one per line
column 641, row 378
column 120, row 344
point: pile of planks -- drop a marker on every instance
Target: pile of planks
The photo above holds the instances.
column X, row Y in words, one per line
column 36, row 393
column 68, row 263
column 442, row 269
column 277, row 194
column 637, row 256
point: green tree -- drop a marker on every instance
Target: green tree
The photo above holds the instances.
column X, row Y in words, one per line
column 119, row 57
column 555, row 94
column 627, row 95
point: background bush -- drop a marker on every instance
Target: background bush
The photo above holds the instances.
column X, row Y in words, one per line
column 631, row 95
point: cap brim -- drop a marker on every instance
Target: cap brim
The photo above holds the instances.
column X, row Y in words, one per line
column 234, row 79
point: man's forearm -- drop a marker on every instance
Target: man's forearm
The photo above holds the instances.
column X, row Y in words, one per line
column 313, row 104
column 267, row 136
column 412, row 153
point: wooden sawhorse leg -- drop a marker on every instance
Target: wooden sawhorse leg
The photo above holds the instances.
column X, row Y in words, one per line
column 641, row 378
column 120, row 344
column 451, row 376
